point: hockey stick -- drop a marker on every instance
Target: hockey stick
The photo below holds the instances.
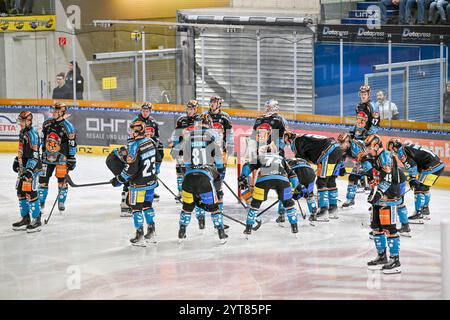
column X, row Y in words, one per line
column 50, row 215
column 177, row 198
column 234, row 194
column 74, row 185
column 301, row 210
column 233, row 219
column 259, row 222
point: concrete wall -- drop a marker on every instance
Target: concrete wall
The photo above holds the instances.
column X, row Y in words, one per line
column 300, row 5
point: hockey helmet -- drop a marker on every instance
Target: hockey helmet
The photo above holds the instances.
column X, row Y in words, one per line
column 25, row 116
column 365, row 88
column 214, row 99
column 271, row 106
column 372, row 141
column 205, row 120
column 289, row 136
column 147, row 105
column 192, row 104
column 60, row 106
column 343, row 136
column 137, row 129
column 394, row 143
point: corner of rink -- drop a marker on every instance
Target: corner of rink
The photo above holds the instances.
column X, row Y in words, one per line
column 84, row 253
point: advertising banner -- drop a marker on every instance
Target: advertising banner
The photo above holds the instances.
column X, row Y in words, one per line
column 99, row 128
column 28, row 23
column 382, row 34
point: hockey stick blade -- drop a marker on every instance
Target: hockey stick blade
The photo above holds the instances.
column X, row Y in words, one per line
column 51, row 211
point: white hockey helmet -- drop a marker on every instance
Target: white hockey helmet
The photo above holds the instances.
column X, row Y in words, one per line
column 272, row 106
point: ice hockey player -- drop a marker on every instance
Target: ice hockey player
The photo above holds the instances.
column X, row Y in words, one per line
column 424, row 168
column 116, row 161
column 60, row 126
column 367, row 116
column 305, row 189
column 384, row 198
column 203, row 160
column 140, row 172
column 353, row 149
column 28, row 165
column 273, row 173
column 367, row 122
column 277, row 124
column 151, row 130
column 326, row 154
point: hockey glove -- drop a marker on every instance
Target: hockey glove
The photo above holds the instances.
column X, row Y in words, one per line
column 71, row 163
column 27, row 175
column 298, row 193
column 243, row 183
column 342, row 171
column 414, row 183
column 115, row 182
column 16, row 165
column 374, row 197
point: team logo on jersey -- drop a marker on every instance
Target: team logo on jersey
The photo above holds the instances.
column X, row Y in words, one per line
column 53, row 143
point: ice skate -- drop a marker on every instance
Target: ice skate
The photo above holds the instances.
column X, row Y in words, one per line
column 201, row 222
column 348, row 203
column 34, row 226
column 248, row 231
column 378, row 262
column 222, row 235
column 150, row 236
column 417, row 218
column 332, row 211
column 405, row 230
column 426, row 213
column 322, row 215
column 61, row 207
column 22, row 224
column 281, row 220
column 138, row 240
column 393, row 266
column 181, row 234
column 294, row 229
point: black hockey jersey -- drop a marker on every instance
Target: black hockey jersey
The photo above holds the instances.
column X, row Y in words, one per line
column 312, row 147
column 201, row 149
column 66, row 132
column 142, row 164
column 416, row 158
column 28, row 153
column 228, row 138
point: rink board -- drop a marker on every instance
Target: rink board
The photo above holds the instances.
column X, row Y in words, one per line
column 104, row 127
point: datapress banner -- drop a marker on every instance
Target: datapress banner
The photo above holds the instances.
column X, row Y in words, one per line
column 397, row 34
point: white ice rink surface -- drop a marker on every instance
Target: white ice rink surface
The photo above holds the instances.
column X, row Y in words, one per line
column 85, row 253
